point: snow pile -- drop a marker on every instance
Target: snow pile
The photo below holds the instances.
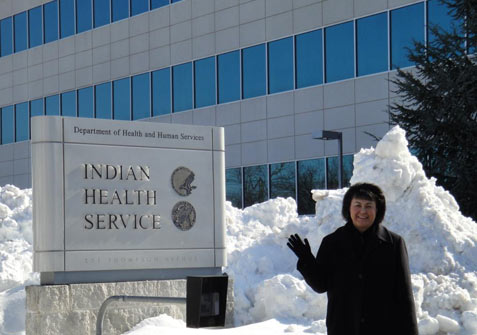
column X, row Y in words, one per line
column 165, row 325
column 16, row 257
column 442, row 247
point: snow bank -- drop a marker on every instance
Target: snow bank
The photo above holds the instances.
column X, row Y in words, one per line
column 16, row 257
column 442, row 247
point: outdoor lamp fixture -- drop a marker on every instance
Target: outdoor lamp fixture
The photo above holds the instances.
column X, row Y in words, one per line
column 333, row 135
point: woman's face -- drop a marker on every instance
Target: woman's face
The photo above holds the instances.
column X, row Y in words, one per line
column 363, row 213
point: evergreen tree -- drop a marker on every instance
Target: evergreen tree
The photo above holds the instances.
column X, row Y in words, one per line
column 438, row 109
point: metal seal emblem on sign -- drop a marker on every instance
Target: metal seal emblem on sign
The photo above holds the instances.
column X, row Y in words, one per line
column 183, row 215
column 181, row 180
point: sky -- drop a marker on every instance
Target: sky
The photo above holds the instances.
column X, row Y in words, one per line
column 271, row 296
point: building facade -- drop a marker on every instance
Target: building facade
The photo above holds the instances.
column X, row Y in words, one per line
column 271, row 72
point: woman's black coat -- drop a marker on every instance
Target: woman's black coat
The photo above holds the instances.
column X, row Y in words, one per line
column 367, row 279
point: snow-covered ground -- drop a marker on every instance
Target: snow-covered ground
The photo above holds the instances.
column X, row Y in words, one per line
column 270, row 295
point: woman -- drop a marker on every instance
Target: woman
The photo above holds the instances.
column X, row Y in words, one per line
column 364, row 269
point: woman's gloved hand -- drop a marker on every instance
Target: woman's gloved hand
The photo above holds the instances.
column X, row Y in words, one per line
column 301, row 250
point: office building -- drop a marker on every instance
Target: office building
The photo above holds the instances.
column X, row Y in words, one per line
column 271, row 72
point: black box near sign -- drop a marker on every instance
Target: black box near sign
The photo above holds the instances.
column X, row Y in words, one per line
column 206, row 301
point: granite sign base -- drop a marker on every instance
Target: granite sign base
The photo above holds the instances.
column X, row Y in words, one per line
column 72, row 309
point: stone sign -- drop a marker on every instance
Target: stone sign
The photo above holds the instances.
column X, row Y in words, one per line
column 124, row 196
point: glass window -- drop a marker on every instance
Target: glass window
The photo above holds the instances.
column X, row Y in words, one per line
column 20, row 25
column 407, row 24
column 68, row 103
column 6, row 38
column 311, row 176
column 102, row 95
column 255, row 184
column 372, row 44
column 102, row 13
column 161, row 92
column 83, row 15
column 67, row 18
column 120, row 9
column 22, row 127
column 141, row 96
column 347, row 169
column 159, row 3
column 254, row 77
column 233, row 187
column 52, row 105
column 121, row 99
column 139, row 6
column 228, row 65
column 309, row 59
column 280, row 65
column 182, row 87
column 7, row 125
column 204, row 82
column 51, row 21
column 36, row 107
column 438, row 15
column 85, row 102
column 35, row 26
column 282, row 180
column 339, row 48
column 332, row 171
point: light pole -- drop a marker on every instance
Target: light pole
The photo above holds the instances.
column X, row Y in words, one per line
column 333, row 135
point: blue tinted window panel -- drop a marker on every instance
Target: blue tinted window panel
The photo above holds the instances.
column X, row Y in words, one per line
column 347, row 169
column 228, row 76
column 52, row 105
column 204, row 82
column 36, row 107
column 120, row 9
column 254, row 77
column 182, row 87
column 84, row 15
column 309, row 59
column 22, row 127
column 407, row 25
column 438, row 15
column 102, row 12
column 280, row 65
column 102, row 96
column 68, row 103
column 8, row 134
column 20, row 25
column 282, row 180
column 310, row 176
column 161, row 92
column 141, row 96
column 372, row 44
column 233, row 186
column 85, row 102
column 67, row 18
column 332, row 166
column 139, row 6
column 50, row 14
column 6, row 36
column 35, row 27
column 255, row 184
column 122, row 99
column 339, row 49
column 159, row 3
